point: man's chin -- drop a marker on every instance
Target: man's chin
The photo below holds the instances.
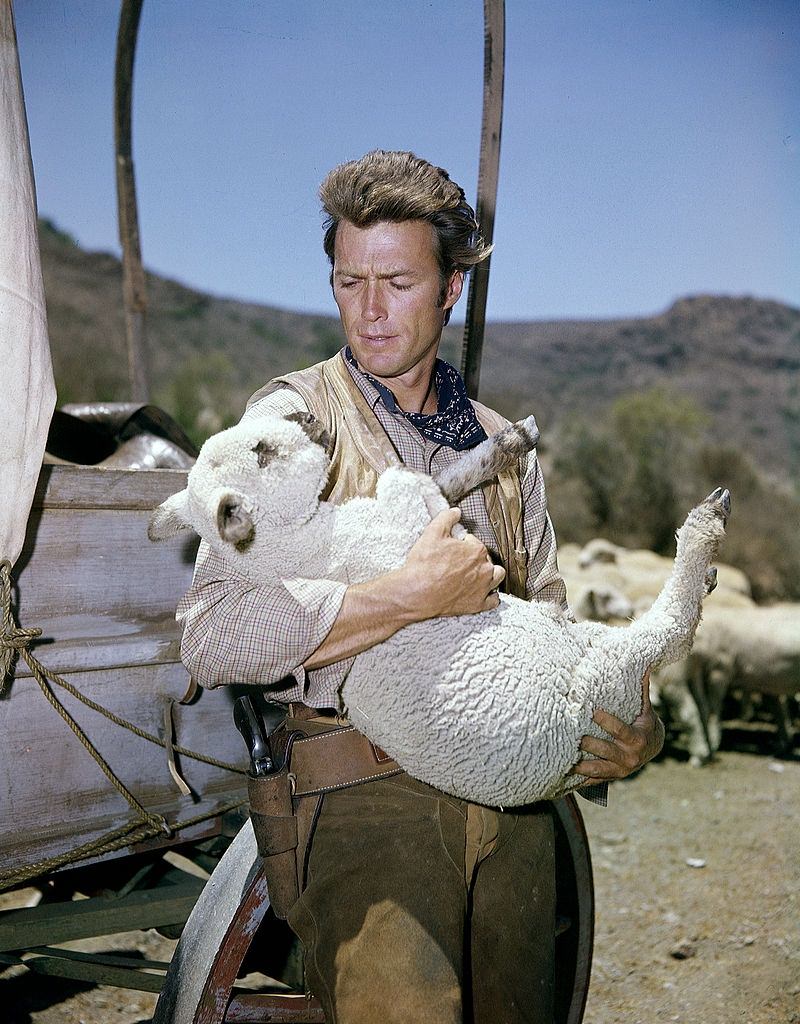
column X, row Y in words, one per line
column 379, row 364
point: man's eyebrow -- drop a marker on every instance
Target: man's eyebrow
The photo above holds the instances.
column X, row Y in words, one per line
column 383, row 276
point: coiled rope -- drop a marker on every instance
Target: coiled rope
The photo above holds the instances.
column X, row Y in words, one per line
column 15, row 642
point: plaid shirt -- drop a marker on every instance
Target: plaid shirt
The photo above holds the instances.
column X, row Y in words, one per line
column 236, row 631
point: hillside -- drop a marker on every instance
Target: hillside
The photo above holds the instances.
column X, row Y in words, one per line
column 737, row 358
column 206, row 353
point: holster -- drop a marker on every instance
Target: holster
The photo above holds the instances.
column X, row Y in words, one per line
column 284, row 805
column 283, row 825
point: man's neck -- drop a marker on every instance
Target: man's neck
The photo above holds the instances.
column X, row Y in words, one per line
column 415, row 390
column 417, row 398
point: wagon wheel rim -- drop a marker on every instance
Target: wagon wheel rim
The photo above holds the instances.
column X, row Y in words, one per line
column 200, row 983
column 575, row 887
column 218, row 1002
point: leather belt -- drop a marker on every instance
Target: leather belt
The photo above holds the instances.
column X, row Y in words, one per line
column 336, row 759
column 303, row 713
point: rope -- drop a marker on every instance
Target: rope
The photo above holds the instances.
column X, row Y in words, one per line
column 126, row 835
column 16, row 642
column 29, row 658
column 12, row 638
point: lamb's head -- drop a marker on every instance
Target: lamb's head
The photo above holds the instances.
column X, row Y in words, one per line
column 263, row 473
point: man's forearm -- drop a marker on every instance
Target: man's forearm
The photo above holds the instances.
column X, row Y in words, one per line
column 370, row 613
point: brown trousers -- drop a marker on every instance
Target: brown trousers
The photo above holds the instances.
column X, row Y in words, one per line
column 423, row 909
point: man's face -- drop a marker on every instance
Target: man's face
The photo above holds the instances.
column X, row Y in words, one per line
column 387, row 286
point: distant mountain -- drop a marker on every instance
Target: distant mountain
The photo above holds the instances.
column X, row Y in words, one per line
column 737, row 358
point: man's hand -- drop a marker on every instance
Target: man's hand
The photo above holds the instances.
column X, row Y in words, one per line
column 443, row 575
column 630, row 747
column 449, row 575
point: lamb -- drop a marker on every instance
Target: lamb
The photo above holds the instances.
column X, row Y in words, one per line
column 487, row 707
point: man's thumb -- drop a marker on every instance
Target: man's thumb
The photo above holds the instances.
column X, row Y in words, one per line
column 445, row 521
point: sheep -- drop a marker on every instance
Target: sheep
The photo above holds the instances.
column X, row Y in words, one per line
column 751, row 650
column 601, row 602
column 744, row 649
column 489, row 707
column 639, row 574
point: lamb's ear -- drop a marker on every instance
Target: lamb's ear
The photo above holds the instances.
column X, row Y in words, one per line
column 234, row 522
column 169, row 518
column 313, row 428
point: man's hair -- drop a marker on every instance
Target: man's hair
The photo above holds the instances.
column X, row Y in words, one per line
column 397, row 186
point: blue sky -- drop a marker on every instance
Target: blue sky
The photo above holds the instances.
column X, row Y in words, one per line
column 650, row 149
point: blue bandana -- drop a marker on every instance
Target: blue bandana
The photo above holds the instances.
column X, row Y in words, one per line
column 454, row 424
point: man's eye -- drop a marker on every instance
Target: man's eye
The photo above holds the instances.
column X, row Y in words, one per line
column 401, row 287
column 347, row 284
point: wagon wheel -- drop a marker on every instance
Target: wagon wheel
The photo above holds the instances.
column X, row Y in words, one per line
column 200, row 984
column 574, row 912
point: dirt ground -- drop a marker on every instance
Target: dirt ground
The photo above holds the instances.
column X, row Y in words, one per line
column 697, row 875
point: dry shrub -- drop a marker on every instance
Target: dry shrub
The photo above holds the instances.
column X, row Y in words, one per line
column 632, row 477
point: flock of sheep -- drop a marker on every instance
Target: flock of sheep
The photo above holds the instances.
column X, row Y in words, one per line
column 741, row 649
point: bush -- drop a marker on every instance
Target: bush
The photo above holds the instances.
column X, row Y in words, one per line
column 202, row 396
column 631, row 466
column 633, row 476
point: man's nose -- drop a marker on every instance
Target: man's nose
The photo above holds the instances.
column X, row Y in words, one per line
column 374, row 307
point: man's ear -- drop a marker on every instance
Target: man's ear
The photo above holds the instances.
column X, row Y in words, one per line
column 453, row 291
column 169, row 518
column 234, row 520
column 312, row 426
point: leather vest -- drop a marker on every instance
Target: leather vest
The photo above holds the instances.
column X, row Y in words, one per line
column 362, row 451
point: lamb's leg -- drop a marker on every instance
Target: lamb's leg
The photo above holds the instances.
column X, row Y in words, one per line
column 666, row 631
column 490, row 457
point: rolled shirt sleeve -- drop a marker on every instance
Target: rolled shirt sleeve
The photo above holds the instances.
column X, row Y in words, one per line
column 235, row 631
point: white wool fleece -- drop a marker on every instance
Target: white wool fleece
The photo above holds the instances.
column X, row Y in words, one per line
column 488, row 707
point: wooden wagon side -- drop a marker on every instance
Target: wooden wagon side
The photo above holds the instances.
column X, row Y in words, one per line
column 104, row 597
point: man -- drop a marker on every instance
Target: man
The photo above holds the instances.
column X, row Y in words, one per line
column 417, row 906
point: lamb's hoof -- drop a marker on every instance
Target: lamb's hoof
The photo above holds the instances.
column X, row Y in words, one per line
column 720, row 502
column 517, row 439
column 711, row 579
column 528, row 431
